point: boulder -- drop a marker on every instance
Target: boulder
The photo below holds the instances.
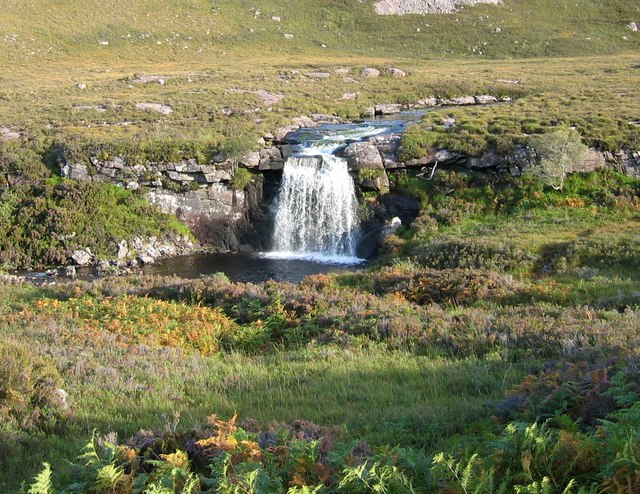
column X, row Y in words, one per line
column 103, row 267
column 370, row 72
column 459, row 101
column 123, row 249
column 428, row 102
column 82, row 257
column 282, row 132
column 250, row 160
column 118, row 162
column 145, row 259
column 373, row 180
column 187, row 166
column 157, row 107
column 485, row 99
column 69, row 272
column 489, row 160
column 319, row 75
column 76, row 171
column 361, row 155
column 217, row 176
column 395, row 72
column 633, row 26
column 271, row 159
column 387, row 109
column 269, row 98
column 180, row 177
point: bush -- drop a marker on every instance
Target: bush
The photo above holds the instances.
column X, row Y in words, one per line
column 30, row 394
column 560, row 153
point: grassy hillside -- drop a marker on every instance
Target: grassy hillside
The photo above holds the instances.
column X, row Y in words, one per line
column 190, row 31
column 203, row 49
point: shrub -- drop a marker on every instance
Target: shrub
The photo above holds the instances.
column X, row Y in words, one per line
column 560, row 153
column 30, row 394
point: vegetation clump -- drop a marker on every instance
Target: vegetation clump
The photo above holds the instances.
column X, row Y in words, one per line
column 43, row 224
column 31, row 397
column 560, row 152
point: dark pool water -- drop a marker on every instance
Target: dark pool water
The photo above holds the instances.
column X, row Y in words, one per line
column 250, row 267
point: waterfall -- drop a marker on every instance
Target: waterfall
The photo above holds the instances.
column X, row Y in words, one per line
column 316, row 210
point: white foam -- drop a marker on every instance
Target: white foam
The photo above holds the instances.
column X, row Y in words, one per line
column 317, row 257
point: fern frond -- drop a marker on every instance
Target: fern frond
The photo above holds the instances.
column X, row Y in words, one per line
column 42, row 482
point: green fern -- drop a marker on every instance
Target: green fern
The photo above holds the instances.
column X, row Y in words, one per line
column 42, row 482
column 377, row 478
column 108, row 478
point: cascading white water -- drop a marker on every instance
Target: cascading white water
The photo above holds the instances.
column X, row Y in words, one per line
column 316, row 210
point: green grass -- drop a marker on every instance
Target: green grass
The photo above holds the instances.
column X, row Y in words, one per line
column 420, row 354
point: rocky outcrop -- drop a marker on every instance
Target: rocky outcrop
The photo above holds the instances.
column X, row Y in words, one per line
column 402, row 7
column 200, row 195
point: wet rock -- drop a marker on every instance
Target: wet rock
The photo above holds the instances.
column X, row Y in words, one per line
column 145, row 259
column 69, row 272
column 282, row 132
column 387, row 109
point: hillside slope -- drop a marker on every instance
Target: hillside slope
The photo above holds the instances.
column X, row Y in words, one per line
column 184, row 31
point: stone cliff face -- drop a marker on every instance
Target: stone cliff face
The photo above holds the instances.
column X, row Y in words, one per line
column 222, row 215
